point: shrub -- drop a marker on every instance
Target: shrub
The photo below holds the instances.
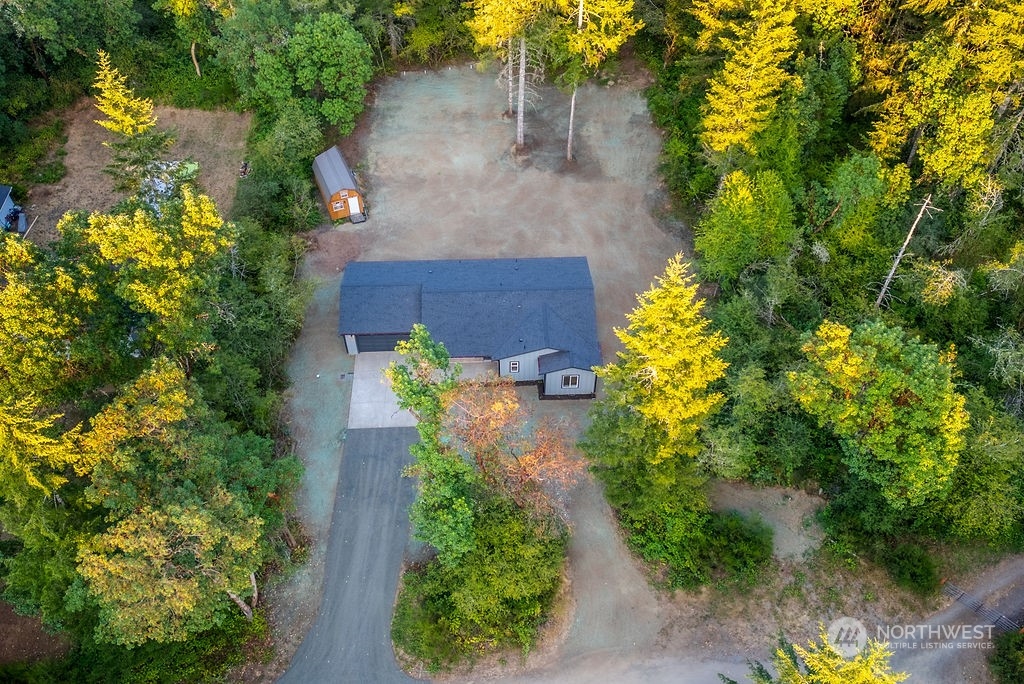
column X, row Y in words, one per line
column 673, row 535
column 495, row 595
column 737, row 545
column 1007, row 661
column 416, row 628
column 911, row 567
column 28, row 163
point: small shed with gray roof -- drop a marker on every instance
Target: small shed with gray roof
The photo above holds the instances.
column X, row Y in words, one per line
column 535, row 318
column 338, row 187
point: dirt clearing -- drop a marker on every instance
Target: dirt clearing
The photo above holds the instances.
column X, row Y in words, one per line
column 216, row 140
column 433, row 155
column 790, row 513
column 441, row 182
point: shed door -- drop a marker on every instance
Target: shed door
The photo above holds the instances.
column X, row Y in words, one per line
column 378, row 343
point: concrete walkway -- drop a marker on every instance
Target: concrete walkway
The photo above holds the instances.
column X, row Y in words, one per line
column 373, row 403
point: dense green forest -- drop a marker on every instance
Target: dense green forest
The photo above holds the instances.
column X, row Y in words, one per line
column 855, row 172
column 853, row 175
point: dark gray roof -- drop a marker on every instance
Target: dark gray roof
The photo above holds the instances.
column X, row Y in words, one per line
column 5, row 192
column 495, row 308
column 332, row 173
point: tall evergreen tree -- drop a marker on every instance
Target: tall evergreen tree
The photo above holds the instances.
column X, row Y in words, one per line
column 743, row 96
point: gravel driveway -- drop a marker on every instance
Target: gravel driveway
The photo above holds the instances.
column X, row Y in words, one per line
column 351, row 639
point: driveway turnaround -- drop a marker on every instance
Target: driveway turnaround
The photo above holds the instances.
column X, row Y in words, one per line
column 351, row 640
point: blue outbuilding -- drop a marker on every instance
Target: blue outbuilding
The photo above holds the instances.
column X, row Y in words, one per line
column 12, row 218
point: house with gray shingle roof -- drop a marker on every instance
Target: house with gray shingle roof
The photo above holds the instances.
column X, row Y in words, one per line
column 534, row 318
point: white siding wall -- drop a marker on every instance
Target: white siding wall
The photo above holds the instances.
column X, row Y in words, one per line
column 527, row 365
column 350, row 345
column 553, row 382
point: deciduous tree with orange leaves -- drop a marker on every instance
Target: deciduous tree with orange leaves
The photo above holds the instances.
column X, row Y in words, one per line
column 531, row 461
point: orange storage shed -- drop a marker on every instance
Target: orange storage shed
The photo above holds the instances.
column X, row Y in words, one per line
column 338, row 187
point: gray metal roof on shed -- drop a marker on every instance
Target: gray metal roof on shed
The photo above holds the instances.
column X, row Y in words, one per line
column 495, row 308
column 5, row 193
column 332, row 173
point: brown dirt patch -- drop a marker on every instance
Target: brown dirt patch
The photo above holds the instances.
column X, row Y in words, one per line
column 791, row 513
column 216, row 140
column 329, row 249
column 792, row 598
column 23, row 639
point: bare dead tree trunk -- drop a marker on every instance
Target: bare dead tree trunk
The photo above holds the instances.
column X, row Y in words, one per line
column 195, row 62
column 393, row 37
column 242, row 605
column 520, row 137
column 1007, row 141
column 255, row 590
column 509, row 71
column 572, row 102
column 899, row 256
column 572, row 118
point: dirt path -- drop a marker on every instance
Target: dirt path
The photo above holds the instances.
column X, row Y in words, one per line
column 1001, row 588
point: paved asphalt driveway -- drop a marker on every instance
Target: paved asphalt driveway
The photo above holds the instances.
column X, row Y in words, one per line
column 351, row 640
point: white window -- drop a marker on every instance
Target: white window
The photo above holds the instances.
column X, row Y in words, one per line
column 513, row 366
column 570, row 381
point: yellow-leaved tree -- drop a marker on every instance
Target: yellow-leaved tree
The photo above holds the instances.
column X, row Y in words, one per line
column 670, row 359
column 643, row 436
column 185, row 501
column 597, row 29
column 165, row 266
column 892, row 403
column 743, row 96
column 137, row 143
column 500, row 26
column 822, row 663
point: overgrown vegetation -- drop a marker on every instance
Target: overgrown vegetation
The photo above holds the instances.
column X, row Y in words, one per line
column 145, row 478
column 817, row 144
column 1007, row 661
column 488, row 505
